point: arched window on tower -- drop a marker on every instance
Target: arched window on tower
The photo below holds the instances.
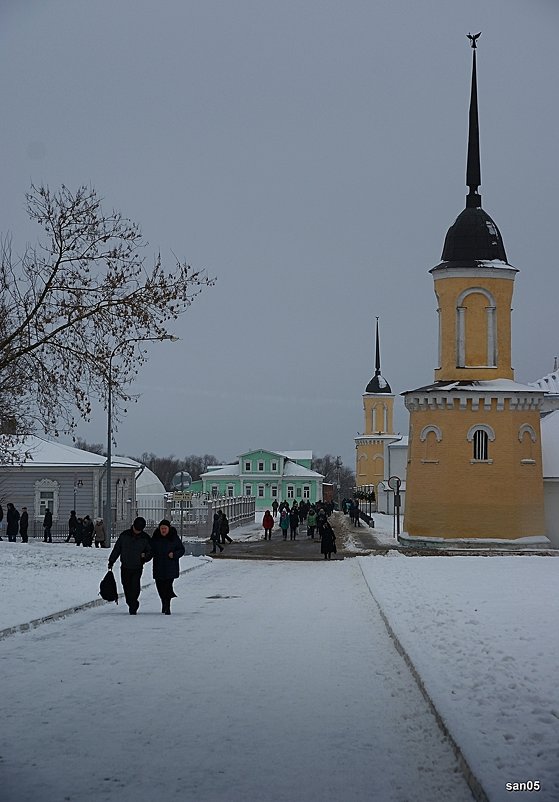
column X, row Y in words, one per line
column 476, row 334
column 527, row 438
column 430, row 436
column 480, row 436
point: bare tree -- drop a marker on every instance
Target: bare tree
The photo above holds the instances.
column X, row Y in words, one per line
column 166, row 467
column 76, row 308
column 333, row 471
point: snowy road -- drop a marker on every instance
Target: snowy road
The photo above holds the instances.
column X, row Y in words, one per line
column 269, row 682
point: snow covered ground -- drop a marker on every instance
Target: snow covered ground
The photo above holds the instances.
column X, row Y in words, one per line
column 278, row 681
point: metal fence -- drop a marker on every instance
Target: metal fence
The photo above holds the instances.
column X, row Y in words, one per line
column 193, row 521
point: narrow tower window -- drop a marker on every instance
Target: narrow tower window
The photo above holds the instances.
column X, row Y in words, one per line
column 481, row 441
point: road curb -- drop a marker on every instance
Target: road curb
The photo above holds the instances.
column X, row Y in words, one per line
column 474, row 784
column 46, row 619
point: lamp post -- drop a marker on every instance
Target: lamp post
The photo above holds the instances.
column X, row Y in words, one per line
column 108, row 496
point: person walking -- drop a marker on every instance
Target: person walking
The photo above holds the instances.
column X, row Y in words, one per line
column 167, row 550
column 72, row 526
column 47, row 527
column 88, row 529
column 24, row 524
column 275, row 508
column 216, row 535
column 293, row 523
column 268, row 524
column 12, row 522
column 133, row 546
column 311, row 522
column 99, row 532
column 327, row 541
column 224, row 528
column 284, row 523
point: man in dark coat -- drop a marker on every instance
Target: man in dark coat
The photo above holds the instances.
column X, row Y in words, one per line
column 12, row 520
column 72, row 526
column 167, row 550
column 224, row 528
column 133, row 546
column 47, row 527
column 24, row 524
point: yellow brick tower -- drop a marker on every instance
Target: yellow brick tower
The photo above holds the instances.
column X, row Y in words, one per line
column 474, row 459
column 378, row 408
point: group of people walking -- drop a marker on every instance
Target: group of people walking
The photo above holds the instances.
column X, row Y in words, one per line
column 85, row 532
column 16, row 523
column 134, row 547
column 220, row 531
column 290, row 518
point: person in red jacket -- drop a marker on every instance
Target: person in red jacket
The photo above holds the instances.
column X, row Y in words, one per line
column 268, row 524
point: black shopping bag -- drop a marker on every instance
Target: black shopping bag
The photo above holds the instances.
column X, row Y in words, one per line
column 108, row 589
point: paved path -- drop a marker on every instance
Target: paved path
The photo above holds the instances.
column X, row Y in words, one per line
column 271, row 682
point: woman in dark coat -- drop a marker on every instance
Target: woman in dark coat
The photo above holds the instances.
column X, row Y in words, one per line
column 327, row 541
column 12, row 519
column 167, row 549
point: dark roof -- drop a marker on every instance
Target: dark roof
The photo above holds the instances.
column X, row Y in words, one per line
column 473, row 236
column 378, row 384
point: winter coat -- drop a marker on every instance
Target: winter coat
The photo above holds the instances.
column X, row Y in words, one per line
column 47, row 520
column 284, row 521
column 165, row 567
column 328, row 540
column 23, row 523
column 223, row 525
column 99, row 530
column 294, row 518
column 267, row 521
column 72, row 525
column 311, row 519
column 130, row 547
column 87, row 537
column 12, row 521
column 216, row 523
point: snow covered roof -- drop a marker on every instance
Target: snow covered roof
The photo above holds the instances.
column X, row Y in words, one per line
column 147, row 483
column 494, row 386
column 291, row 469
column 548, row 384
column 222, row 470
column 42, row 452
column 294, row 469
column 402, row 442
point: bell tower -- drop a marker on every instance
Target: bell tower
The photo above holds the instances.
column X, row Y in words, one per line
column 474, row 457
column 378, row 409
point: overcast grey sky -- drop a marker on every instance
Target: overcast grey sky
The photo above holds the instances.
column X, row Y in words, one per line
column 311, row 155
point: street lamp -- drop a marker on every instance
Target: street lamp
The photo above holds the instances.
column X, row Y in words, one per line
column 108, row 497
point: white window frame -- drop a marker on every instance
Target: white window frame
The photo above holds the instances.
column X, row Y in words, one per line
column 274, row 466
column 248, row 490
column 261, row 491
column 248, row 466
column 46, row 486
column 290, row 491
column 260, row 466
column 214, row 491
column 306, row 491
column 274, row 491
column 230, row 491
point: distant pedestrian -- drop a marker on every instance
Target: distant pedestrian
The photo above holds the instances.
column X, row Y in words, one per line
column 12, row 521
column 167, row 549
column 328, row 541
column 87, row 536
column 133, row 546
column 311, row 522
column 216, row 534
column 1, row 522
column 284, row 523
column 275, row 508
column 24, row 524
column 99, row 532
column 47, row 527
column 78, row 534
column 72, row 526
column 293, row 523
column 268, row 524
column 224, row 528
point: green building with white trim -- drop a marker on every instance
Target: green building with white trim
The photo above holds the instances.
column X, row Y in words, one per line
column 267, row 476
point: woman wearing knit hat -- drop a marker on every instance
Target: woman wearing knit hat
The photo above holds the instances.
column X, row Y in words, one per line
column 167, row 549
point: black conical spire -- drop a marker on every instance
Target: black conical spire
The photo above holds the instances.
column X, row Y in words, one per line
column 378, row 384
column 474, row 236
column 377, row 357
column 473, row 167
